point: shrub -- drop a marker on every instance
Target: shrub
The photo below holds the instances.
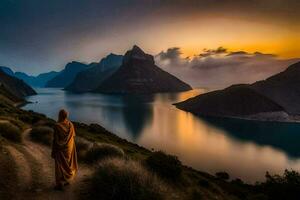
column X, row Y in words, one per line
column 237, row 181
column 42, row 134
column 100, row 151
column 223, row 175
column 31, row 117
column 82, row 147
column 278, row 187
column 195, row 194
column 118, row 179
column 11, row 132
column 204, row 183
column 166, row 166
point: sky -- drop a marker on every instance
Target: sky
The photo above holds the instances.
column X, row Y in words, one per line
column 38, row 36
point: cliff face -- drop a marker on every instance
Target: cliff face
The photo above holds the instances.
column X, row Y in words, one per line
column 139, row 74
column 96, row 74
column 66, row 76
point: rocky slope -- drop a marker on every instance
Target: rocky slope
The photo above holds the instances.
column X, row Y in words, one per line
column 283, row 88
column 7, row 70
column 96, row 74
column 13, row 88
column 139, row 74
column 276, row 98
column 66, row 76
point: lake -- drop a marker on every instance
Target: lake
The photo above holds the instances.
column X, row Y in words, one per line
column 244, row 149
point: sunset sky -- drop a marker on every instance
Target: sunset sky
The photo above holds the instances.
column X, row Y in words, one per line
column 38, row 36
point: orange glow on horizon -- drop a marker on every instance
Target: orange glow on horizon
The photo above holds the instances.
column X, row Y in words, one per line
column 193, row 35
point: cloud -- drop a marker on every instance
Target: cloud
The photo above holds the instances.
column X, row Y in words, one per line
column 218, row 68
column 171, row 53
column 211, row 52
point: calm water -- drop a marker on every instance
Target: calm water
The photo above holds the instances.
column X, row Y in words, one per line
column 245, row 149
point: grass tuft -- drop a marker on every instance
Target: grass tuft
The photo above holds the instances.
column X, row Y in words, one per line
column 82, row 147
column 101, row 151
column 119, row 179
column 11, row 132
column 42, row 134
column 166, row 166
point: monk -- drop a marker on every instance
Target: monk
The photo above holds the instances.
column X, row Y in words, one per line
column 64, row 151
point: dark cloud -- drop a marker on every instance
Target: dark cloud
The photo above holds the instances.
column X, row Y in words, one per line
column 237, row 53
column 211, row 52
column 171, row 53
column 221, row 68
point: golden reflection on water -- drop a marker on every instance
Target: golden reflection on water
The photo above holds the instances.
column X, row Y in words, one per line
column 207, row 148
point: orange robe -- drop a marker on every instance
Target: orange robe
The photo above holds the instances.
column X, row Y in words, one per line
column 64, row 152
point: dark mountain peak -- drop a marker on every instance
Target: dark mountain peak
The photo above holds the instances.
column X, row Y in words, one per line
column 110, row 57
column 67, row 75
column 294, row 67
column 137, row 54
column 139, row 74
column 96, row 73
column 137, row 48
column 7, row 70
column 74, row 64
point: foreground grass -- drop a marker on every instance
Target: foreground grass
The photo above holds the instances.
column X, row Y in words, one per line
column 119, row 179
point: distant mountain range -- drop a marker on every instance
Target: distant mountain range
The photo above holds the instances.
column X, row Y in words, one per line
column 90, row 79
column 34, row 81
column 135, row 72
column 276, row 98
column 67, row 75
column 12, row 89
column 139, row 74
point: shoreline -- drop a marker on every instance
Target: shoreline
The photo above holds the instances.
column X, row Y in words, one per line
column 279, row 117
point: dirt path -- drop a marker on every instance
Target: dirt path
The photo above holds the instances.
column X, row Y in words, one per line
column 34, row 172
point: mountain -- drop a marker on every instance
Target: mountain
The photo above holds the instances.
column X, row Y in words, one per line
column 36, row 81
column 139, row 74
column 278, row 94
column 7, row 70
column 234, row 101
column 13, row 88
column 283, row 88
column 66, row 76
column 96, row 74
